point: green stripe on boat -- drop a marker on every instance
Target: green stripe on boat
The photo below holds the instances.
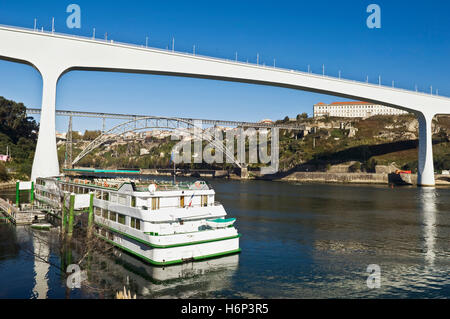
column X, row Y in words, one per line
column 167, row 263
column 166, row 246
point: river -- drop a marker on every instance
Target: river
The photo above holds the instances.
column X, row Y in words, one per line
column 298, row 241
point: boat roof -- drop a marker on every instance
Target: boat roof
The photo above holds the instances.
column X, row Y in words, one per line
column 138, row 185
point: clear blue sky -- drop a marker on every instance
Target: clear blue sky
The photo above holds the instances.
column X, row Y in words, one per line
column 412, row 47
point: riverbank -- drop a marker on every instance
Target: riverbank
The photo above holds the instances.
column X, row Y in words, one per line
column 349, row 178
column 304, row 177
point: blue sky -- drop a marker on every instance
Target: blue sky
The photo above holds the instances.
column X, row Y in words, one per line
column 412, row 47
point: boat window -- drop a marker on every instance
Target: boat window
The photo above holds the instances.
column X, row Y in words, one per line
column 204, row 200
column 155, row 203
column 113, row 216
column 97, row 211
column 182, row 201
column 121, row 219
column 105, row 213
column 136, row 223
column 133, row 201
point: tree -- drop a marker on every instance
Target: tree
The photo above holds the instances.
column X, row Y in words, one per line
column 3, row 173
column 302, row 116
column 91, row 135
column 355, row 167
column 19, row 133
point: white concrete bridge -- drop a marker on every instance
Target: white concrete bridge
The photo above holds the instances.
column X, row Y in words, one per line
column 55, row 54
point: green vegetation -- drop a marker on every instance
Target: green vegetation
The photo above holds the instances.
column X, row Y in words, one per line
column 3, row 173
column 19, row 133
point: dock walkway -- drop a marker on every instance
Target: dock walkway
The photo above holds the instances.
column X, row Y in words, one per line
column 20, row 217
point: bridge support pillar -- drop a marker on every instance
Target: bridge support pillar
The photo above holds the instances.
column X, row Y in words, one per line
column 45, row 162
column 244, row 172
column 426, row 165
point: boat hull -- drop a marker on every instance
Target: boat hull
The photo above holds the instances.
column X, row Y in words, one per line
column 172, row 255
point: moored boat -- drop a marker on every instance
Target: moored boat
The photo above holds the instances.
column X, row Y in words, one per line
column 159, row 222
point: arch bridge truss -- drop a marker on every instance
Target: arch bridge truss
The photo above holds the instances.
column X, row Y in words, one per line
column 175, row 124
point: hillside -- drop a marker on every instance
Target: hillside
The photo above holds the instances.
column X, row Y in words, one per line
column 375, row 140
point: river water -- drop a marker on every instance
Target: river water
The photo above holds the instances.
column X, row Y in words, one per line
column 298, row 241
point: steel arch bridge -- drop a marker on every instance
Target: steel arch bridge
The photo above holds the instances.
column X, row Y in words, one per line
column 155, row 122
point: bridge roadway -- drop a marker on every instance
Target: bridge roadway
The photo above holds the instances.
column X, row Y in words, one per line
column 54, row 55
column 300, row 127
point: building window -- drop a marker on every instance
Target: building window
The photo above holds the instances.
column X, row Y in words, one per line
column 105, row 213
column 121, row 219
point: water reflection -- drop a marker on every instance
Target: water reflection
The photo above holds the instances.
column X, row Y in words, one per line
column 428, row 210
column 41, row 266
column 188, row 280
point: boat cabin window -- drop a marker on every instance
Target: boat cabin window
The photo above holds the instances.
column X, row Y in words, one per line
column 133, row 201
column 204, row 200
column 135, row 223
column 113, row 216
column 121, row 219
column 105, row 213
column 155, row 203
column 97, row 211
column 182, row 202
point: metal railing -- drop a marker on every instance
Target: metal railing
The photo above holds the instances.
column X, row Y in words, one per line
column 192, row 55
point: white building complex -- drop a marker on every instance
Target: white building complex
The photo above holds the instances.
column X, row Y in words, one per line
column 354, row 109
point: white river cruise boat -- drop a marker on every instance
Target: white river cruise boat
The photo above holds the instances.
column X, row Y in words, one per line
column 159, row 222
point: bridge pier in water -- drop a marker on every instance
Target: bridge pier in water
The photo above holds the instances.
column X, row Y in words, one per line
column 425, row 161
